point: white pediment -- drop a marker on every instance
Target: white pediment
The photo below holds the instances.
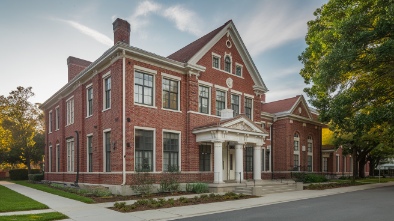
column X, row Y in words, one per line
column 242, row 124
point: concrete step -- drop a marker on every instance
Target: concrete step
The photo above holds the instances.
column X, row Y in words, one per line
column 243, row 190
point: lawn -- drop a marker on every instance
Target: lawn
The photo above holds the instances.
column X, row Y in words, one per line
column 13, row 201
column 38, row 217
column 54, row 191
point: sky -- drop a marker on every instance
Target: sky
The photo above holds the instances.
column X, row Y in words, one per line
column 37, row 36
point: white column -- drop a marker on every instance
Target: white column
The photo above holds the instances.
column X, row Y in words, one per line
column 257, row 162
column 218, row 170
column 239, row 162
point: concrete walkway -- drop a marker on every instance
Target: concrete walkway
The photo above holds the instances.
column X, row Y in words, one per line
column 80, row 211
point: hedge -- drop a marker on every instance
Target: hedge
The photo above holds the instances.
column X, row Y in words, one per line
column 21, row 174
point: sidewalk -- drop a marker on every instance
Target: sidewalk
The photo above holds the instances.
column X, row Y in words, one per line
column 80, row 211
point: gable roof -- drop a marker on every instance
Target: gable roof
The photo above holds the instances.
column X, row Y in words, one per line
column 186, row 53
column 280, row 106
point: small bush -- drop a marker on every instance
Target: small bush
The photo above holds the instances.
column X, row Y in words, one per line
column 309, row 178
column 21, row 174
column 143, row 183
column 197, row 187
column 120, row 205
column 36, row 177
column 170, row 182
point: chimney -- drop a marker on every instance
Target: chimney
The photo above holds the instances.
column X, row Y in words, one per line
column 121, row 31
column 75, row 66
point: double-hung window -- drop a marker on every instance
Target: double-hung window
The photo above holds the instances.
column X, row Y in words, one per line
column 203, row 99
column 171, row 152
column 50, row 122
column 57, row 157
column 143, row 150
column 248, row 107
column 107, row 93
column 249, row 159
column 296, row 152
column 215, row 62
column 90, row 153
column 143, row 88
column 170, row 94
column 89, row 101
column 220, row 101
column 205, row 157
column 238, row 70
column 57, row 118
column 50, row 158
column 70, row 111
column 70, row 155
column 107, row 148
column 296, row 162
column 227, row 64
column 235, row 104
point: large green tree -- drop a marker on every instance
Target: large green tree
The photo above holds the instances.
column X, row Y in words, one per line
column 349, row 63
column 21, row 121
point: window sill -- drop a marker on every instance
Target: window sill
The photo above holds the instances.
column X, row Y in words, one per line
column 208, row 115
column 176, row 111
column 144, row 105
column 106, row 109
column 90, row 116
column 227, row 73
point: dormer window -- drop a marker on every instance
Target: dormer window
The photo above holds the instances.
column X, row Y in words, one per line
column 227, row 64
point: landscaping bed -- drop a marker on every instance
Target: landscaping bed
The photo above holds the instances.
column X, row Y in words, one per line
column 149, row 204
column 323, row 186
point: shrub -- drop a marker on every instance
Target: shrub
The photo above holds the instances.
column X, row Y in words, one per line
column 36, row 177
column 143, row 183
column 309, row 178
column 197, row 187
column 120, row 205
column 170, row 182
column 21, row 174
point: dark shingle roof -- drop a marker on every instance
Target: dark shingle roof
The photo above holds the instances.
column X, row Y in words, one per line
column 280, row 106
column 186, row 53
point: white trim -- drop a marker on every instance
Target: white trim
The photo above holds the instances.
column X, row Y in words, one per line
column 209, row 99
column 205, row 83
column 50, row 158
column 143, row 69
column 50, row 116
column 221, row 88
column 225, row 99
column 106, row 74
column 70, row 111
column 216, row 55
column 231, row 62
column 153, row 88
column 236, row 92
column 171, row 76
column 239, row 101
column 87, row 151
column 104, row 157
column 248, row 95
column 241, row 66
column 145, row 105
column 89, row 85
column 210, row 115
column 87, row 100
column 219, row 60
column 70, row 98
column 57, row 120
column 154, row 145
column 252, row 107
column 57, row 156
column 179, row 150
column 70, row 162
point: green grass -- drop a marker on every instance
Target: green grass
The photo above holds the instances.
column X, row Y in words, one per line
column 13, row 201
column 364, row 180
column 54, row 191
column 38, row 217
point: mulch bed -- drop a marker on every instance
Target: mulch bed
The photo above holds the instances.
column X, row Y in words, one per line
column 116, row 198
column 323, row 186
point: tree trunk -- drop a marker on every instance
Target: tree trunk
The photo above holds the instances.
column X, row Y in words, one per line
column 355, row 164
column 28, row 164
column 372, row 164
column 362, row 167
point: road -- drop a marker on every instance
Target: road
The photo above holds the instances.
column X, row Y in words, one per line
column 367, row 205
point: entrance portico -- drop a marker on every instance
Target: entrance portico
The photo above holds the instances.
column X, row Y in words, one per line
column 230, row 139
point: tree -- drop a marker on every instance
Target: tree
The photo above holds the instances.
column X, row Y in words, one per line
column 22, row 122
column 349, row 61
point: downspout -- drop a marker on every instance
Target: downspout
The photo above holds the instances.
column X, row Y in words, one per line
column 272, row 149
column 124, row 117
column 76, row 179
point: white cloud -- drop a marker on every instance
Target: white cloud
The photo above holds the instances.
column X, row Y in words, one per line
column 139, row 18
column 185, row 20
column 273, row 25
column 90, row 32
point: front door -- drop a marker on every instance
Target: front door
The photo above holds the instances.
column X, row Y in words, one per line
column 231, row 164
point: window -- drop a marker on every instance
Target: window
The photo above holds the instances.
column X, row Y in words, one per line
column 267, row 160
column 248, row 107
column 310, row 144
column 351, row 164
column 227, row 64
column 143, row 88
column 220, row 101
column 238, row 70
column 344, row 164
column 170, row 94
column 203, row 100
column 57, row 118
column 57, row 157
column 235, row 104
column 50, row 159
column 215, row 62
column 310, row 163
column 90, row 153
column 205, row 157
column 107, row 93
column 325, row 164
column 249, row 159
column 70, row 155
column 107, row 146
column 262, row 159
column 144, row 150
column 89, row 102
column 170, row 152
column 296, row 162
column 50, row 122
column 337, row 158
column 296, row 142
column 70, row 111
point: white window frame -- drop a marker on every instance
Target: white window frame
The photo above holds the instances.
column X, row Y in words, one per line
column 105, row 77
column 104, row 151
column 338, row 159
column 252, row 108
column 87, row 151
column 231, row 63
column 50, row 158
column 178, row 80
column 57, row 157
column 50, row 121
column 219, row 60
column 89, row 87
column 325, row 164
column 310, row 141
column 344, row 164
column 238, row 65
column 225, row 99
column 209, row 86
column 151, row 72
column 179, row 145
column 239, row 101
column 297, row 152
column 70, row 111
column 154, row 146
column 57, row 114
column 70, row 155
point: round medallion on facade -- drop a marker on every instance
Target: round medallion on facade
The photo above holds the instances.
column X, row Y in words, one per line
column 228, row 43
column 229, row 82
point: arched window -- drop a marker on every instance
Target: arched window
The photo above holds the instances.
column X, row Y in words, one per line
column 227, row 64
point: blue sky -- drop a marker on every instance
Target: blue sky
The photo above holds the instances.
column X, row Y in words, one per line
column 38, row 36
